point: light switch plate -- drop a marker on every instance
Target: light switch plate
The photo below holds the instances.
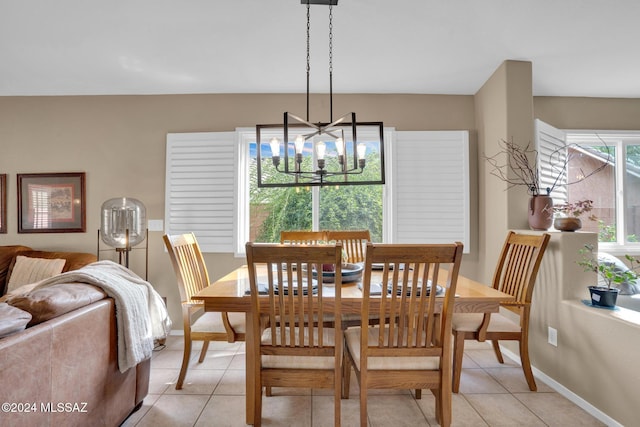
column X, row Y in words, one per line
column 155, row 225
column 553, row 336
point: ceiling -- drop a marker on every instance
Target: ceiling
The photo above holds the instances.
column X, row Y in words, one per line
column 83, row 47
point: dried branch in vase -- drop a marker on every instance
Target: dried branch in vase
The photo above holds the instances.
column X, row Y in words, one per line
column 518, row 161
column 518, row 166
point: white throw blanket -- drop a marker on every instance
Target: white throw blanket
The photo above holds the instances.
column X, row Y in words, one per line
column 141, row 315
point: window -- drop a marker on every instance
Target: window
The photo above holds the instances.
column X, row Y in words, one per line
column 209, row 190
column 615, row 190
column 329, row 207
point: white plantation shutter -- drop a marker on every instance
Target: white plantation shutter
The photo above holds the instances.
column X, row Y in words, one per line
column 551, row 144
column 206, row 177
column 431, row 187
column 200, row 190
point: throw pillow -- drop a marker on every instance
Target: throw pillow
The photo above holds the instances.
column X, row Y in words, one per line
column 30, row 270
column 12, row 319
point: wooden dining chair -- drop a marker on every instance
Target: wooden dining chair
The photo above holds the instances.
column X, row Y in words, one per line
column 191, row 273
column 302, row 237
column 354, row 242
column 411, row 345
column 515, row 274
column 295, row 347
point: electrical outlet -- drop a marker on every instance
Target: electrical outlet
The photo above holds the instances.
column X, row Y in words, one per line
column 553, row 337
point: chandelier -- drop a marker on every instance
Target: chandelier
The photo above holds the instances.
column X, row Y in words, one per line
column 299, row 153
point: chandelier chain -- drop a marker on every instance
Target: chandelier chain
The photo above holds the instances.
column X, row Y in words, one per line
column 330, row 39
column 330, row 63
column 308, row 37
column 308, row 53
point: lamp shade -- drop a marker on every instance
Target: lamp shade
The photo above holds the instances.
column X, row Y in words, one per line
column 120, row 215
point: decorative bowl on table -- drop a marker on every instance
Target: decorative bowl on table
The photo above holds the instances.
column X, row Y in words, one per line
column 350, row 273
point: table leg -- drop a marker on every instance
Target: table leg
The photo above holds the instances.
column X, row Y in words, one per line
column 250, row 369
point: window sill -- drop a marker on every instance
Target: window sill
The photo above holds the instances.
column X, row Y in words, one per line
column 620, row 314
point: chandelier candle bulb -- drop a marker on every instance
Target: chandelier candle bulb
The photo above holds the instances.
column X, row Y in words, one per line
column 275, row 147
column 299, row 144
column 321, row 149
column 275, row 151
column 362, row 149
column 340, row 146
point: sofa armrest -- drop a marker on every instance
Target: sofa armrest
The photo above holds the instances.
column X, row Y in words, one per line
column 53, row 301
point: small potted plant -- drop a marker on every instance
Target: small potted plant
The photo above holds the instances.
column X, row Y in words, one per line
column 567, row 215
column 611, row 275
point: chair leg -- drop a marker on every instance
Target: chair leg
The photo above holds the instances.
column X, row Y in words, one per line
column 185, row 362
column 203, row 352
column 496, row 350
column 458, row 353
column 257, row 402
column 267, row 391
column 363, row 406
column 418, row 393
column 337, row 392
column 526, row 364
column 346, row 376
column 443, row 406
column 437, row 393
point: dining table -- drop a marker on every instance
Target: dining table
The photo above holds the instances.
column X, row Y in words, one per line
column 231, row 294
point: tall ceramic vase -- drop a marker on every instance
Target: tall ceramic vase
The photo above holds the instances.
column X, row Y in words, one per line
column 540, row 212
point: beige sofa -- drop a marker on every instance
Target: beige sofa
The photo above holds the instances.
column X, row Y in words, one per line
column 62, row 370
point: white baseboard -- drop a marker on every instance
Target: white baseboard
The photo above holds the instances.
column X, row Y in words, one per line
column 592, row 410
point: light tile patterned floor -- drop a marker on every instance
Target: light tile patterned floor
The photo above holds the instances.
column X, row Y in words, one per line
column 213, row 395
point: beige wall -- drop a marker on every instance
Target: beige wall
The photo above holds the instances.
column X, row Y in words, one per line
column 504, row 111
column 119, row 141
column 588, row 113
column 595, row 349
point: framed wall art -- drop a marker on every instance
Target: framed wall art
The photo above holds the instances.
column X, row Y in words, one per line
column 51, row 203
column 3, row 202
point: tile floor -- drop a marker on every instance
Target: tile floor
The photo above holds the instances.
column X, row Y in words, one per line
column 213, row 395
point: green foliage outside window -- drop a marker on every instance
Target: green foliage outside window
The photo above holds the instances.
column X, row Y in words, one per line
column 345, row 207
column 607, row 233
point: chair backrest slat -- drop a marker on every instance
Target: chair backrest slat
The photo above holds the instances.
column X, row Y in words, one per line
column 414, row 318
column 519, row 263
column 302, row 237
column 188, row 263
column 354, row 242
column 295, row 307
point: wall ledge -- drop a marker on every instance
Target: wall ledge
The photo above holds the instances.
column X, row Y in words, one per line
column 620, row 314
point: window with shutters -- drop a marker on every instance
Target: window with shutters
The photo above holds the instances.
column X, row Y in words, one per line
column 200, row 188
column 211, row 190
column 615, row 190
column 431, row 187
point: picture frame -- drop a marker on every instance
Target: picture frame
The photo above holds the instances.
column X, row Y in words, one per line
column 51, row 203
column 3, row 203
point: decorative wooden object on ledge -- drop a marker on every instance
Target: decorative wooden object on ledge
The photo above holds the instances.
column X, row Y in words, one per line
column 567, row 223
